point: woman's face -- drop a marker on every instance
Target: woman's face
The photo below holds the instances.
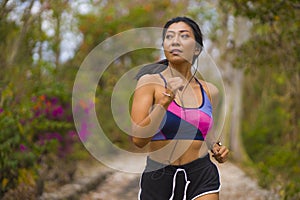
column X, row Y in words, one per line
column 179, row 43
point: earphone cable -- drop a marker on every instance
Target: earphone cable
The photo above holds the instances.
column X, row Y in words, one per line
column 182, row 104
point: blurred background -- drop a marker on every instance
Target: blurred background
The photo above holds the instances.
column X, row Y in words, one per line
column 255, row 44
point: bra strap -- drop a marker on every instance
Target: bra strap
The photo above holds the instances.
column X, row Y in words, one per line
column 203, row 90
column 163, row 78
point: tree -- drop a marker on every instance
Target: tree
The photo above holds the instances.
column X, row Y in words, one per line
column 272, row 88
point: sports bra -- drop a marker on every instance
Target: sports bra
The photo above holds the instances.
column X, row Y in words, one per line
column 186, row 123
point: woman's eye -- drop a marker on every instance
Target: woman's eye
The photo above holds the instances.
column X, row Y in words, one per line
column 169, row 37
column 185, row 36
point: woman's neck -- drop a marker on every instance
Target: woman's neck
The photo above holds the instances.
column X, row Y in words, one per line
column 183, row 70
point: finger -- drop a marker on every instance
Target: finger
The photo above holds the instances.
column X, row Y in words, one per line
column 169, row 93
column 223, row 157
column 221, row 153
column 222, row 149
column 222, row 160
column 225, row 154
column 219, row 159
column 216, row 149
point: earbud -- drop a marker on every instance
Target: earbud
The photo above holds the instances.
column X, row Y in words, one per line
column 198, row 50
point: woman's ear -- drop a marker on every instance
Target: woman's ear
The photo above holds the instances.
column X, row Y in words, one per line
column 198, row 50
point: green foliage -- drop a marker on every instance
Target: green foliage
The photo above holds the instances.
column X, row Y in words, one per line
column 12, row 148
column 272, row 87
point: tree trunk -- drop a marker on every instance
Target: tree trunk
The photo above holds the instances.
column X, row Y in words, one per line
column 18, row 42
column 235, row 31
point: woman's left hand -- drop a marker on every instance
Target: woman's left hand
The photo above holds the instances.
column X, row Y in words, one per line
column 220, row 153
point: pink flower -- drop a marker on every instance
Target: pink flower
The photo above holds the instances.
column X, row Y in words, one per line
column 49, row 136
column 84, row 132
column 23, row 148
column 72, row 134
column 54, row 100
column 58, row 112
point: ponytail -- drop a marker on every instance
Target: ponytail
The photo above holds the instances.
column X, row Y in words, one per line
column 153, row 68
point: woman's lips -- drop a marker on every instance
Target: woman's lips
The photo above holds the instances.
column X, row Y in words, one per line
column 175, row 51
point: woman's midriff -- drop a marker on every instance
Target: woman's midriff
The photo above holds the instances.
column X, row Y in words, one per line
column 177, row 152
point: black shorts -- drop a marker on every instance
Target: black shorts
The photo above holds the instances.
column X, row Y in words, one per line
column 183, row 182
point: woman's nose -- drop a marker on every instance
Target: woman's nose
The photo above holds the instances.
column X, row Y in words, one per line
column 175, row 41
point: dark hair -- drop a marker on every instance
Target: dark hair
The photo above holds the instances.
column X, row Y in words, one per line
column 161, row 65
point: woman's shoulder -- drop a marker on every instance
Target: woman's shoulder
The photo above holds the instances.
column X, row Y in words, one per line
column 150, row 79
column 209, row 87
column 211, row 90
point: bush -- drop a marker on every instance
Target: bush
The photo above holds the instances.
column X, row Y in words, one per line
column 269, row 140
column 13, row 148
column 33, row 134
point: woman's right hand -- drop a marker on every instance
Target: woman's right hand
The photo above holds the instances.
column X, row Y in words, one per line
column 174, row 84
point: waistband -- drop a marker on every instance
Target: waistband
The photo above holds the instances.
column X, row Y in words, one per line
column 194, row 165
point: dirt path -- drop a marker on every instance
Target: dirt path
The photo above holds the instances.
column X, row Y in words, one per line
column 235, row 186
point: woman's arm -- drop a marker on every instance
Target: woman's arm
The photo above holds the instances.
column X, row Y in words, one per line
column 146, row 116
column 220, row 152
column 213, row 92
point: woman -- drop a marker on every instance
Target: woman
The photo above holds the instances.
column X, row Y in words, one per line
column 171, row 117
